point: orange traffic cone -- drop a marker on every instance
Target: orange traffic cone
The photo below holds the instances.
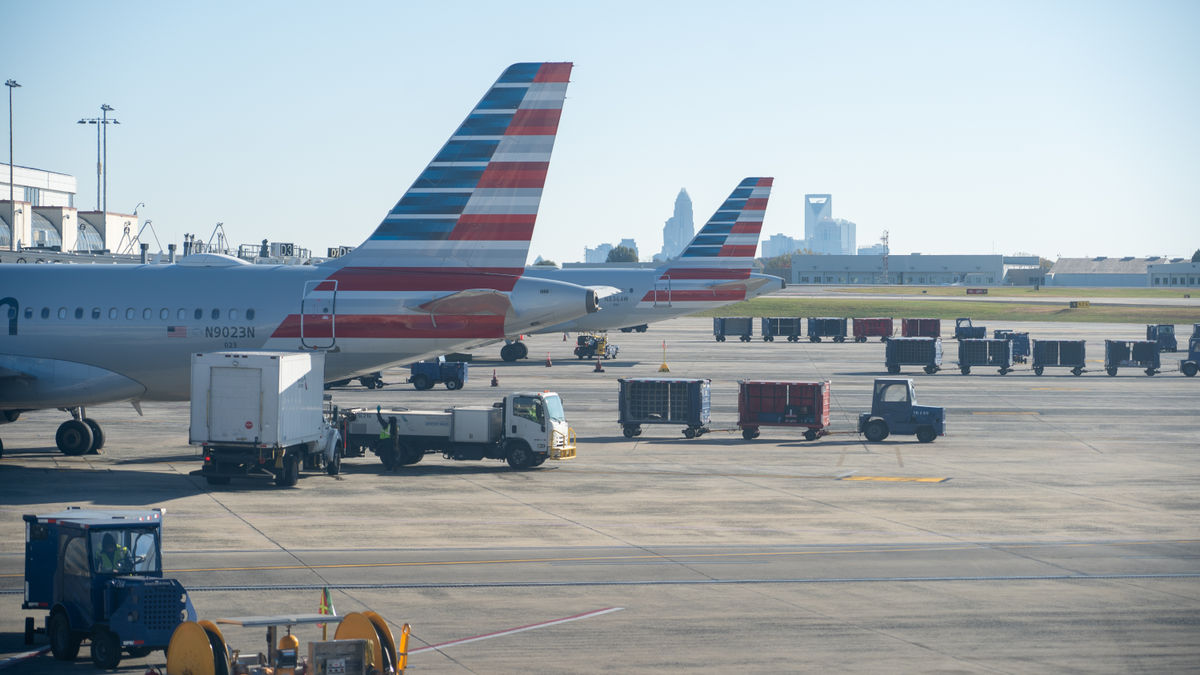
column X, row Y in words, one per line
column 599, row 368
column 495, row 380
column 548, row 364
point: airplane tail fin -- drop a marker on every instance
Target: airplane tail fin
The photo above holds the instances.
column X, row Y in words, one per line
column 475, row 204
column 732, row 232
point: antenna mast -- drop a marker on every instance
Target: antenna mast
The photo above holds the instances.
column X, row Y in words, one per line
column 884, row 241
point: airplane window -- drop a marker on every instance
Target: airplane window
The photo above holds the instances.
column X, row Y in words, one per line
column 112, row 313
column 28, row 312
column 216, row 314
column 62, row 312
column 45, row 312
column 147, row 313
column 198, row 314
column 250, row 314
column 129, row 312
column 78, row 312
column 181, row 314
column 233, row 314
column 95, row 312
column 164, row 313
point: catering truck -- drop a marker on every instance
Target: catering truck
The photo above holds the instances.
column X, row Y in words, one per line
column 524, row 429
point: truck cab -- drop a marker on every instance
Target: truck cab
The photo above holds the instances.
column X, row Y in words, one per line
column 1164, row 335
column 964, row 329
column 99, row 574
column 1192, row 364
column 535, row 422
column 894, row 410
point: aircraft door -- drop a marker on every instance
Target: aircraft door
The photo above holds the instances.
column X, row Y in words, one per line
column 662, row 292
column 318, row 312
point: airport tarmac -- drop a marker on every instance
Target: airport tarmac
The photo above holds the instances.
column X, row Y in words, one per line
column 1055, row 528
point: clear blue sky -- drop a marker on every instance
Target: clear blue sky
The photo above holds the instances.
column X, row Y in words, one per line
column 1056, row 128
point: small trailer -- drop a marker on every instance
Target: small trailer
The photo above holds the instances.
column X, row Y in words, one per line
column 1164, row 335
column 921, row 328
column 663, row 400
column 741, row 326
column 880, row 327
column 965, row 330
column 825, row 326
column 424, row 374
column 1059, row 354
column 370, row 381
column 1020, row 342
column 985, row 352
column 914, row 351
column 786, row 326
column 803, row 405
column 259, row 415
column 524, row 429
column 1142, row 354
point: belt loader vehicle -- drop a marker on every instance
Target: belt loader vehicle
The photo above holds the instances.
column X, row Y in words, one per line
column 259, row 415
column 99, row 575
column 524, row 428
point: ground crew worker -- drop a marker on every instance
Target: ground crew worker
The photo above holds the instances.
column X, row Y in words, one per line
column 388, row 445
column 110, row 555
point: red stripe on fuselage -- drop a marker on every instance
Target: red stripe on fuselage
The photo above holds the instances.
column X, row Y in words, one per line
column 423, row 278
column 494, row 227
column 534, row 122
column 514, row 175
column 392, row 326
column 705, row 273
column 707, row 295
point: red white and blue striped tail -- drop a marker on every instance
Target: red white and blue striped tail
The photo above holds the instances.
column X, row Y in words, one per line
column 732, row 232
column 475, row 205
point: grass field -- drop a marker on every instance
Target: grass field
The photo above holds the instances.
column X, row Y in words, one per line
column 1017, row 291
column 949, row 309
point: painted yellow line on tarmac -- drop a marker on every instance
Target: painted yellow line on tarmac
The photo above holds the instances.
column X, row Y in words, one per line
column 1054, row 389
column 900, row 479
column 1008, row 412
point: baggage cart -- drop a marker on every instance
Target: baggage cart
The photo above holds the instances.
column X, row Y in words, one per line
column 914, row 351
column 1131, row 353
column 985, row 352
column 830, row 327
column 1020, row 343
column 921, row 328
column 802, row 405
column 740, row 326
column 424, row 374
column 783, row 326
column 663, row 400
column 880, row 327
column 1059, row 354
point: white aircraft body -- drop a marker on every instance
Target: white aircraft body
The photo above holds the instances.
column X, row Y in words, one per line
column 716, row 268
column 443, row 270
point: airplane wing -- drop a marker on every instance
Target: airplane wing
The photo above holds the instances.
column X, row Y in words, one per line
column 475, row 301
column 10, row 373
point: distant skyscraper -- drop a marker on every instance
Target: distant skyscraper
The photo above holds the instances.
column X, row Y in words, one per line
column 824, row 234
column 679, row 228
column 816, row 209
column 598, row 254
column 780, row 244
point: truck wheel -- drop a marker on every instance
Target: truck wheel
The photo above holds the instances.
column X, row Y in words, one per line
column 334, row 467
column 749, row 433
column 630, row 431
column 876, row 431
column 217, row 480
column 520, row 456
column 289, row 473
column 929, row 370
column 106, row 648
column 810, row 435
column 689, row 433
column 63, row 643
column 1004, row 371
column 1189, row 368
column 926, row 434
column 421, row 383
column 453, row 384
column 966, row 370
column 1077, row 371
column 388, row 457
column 1150, row 372
column 1112, row 372
column 73, row 438
column 1038, row 370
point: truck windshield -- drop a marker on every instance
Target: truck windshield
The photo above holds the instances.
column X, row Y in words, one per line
column 125, row 551
column 554, row 409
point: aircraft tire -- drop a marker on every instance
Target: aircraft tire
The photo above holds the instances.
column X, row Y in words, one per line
column 97, row 436
column 521, row 350
column 73, row 438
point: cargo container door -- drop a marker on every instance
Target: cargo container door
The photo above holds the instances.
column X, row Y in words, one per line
column 235, row 405
column 318, row 312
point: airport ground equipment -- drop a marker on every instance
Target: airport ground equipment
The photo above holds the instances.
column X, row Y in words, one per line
column 985, row 352
column 1164, row 335
column 370, row 381
column 1191, row 364
column 921, row 328
column 741, row 326
column 782, row 326
column 894, row 410
column 588, row 346
column 259, row 415
column 113, row 595
column 880, row 327
column 640, row 328
column 1020, row 343
column 826, row 327
column 1142, row 354
column 965, row 330
column 1196, row 330
column 914, row 351
column 803, row 405
column 664, row 400
column 523, row 428
column 1059, row 354
column 424, row 374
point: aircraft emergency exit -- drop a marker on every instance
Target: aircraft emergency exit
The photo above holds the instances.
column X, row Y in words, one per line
column 445, row 268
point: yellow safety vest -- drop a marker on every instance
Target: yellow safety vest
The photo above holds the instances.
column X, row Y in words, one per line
column 107, row 562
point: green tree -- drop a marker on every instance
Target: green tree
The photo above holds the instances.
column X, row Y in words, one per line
column 1196, row 256
column 545, row 262
column 622, row 254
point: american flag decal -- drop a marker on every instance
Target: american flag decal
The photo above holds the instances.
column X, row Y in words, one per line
column 176, row 331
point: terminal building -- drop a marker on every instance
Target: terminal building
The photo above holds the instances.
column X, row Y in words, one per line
column 1103, row 271
column 915, row 268
column 1175, row 274
column 42, row 215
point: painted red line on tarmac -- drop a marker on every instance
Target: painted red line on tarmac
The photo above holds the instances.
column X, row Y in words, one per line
column 521, row 629
column 21, row 657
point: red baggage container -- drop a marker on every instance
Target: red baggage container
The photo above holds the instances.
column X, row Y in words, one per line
column 921, row 328
column 783, row 404
column 877, row 327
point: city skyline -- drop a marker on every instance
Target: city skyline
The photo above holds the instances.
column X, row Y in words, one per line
column 1056, row 129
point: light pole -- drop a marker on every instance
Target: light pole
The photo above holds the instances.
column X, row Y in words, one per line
column 101, row 164
column 11, row 84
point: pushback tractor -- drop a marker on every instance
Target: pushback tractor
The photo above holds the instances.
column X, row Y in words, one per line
column 99, row 575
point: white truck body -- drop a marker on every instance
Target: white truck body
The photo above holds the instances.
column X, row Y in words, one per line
column 261, row 399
